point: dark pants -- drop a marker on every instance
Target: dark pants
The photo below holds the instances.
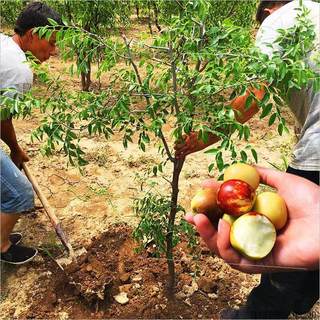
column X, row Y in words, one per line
column 281, row 293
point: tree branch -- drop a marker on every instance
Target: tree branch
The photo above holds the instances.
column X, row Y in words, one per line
column 174, row 78
column 202, row 33
column 134, row 66
column 165, row 144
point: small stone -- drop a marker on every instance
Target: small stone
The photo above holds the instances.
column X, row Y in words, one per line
column 125, row 288
column 154, row 291
column 38, row 259
column 136, row 278
column 63, row 315
column 187, row 302
column 180, row 295
column 121, row 298
column 124, row 277
column 22, row 271
column 212, row 295
column 185, row 259
column 207, row 285
column 190, row 290
column 89, row 267
column 205, row 250
column 136, row 286
column 185, row 278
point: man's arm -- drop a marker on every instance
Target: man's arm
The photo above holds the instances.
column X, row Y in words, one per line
column 192, row 143
column 8, row 135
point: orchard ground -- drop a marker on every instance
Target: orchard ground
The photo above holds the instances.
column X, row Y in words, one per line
column 96, row 212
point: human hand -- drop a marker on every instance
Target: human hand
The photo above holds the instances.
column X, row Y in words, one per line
column 18, row 156
column 298, row 243
column 191, row 143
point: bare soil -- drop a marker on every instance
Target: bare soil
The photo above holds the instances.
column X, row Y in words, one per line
column 110, row 267
column 95, row 208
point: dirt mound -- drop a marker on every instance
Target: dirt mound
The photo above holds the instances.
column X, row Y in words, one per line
column 94, row 273
column 111, row 269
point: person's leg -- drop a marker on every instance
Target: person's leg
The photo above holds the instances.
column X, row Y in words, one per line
column 7, row 222
column 16, row 197
column 264, row 302
column 281, row 293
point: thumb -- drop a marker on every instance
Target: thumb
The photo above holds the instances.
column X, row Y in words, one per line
column 271, row 177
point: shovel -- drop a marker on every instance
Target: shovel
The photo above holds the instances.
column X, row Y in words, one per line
column 50, row 212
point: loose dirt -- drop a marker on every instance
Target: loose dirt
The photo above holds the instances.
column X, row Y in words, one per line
column 110, row 267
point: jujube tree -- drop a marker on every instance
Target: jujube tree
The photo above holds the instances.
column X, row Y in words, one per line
column 187, row 78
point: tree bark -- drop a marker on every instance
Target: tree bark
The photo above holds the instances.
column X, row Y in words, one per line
column 86, row 79
column 137, row 11
column 177, row 167
column 156, row 16
column 149, row 18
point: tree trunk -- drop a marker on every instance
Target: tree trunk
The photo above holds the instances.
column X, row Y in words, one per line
column 86, row 79
column 149, row 18
column 177, row 167
column 156, row 15
column 137, row 11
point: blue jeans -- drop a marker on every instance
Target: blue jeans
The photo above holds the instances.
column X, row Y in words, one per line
column 16, row 191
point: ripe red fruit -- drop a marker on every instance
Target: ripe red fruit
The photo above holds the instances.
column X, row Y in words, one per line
column 235, row 197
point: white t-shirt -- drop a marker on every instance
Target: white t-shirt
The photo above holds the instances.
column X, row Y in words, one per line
column 305, row 104
column 14, row 71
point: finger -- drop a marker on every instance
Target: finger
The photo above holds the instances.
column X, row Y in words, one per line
column 207, row 231
column 189, row 218
column 231, row 256
column 223, row 243
column 181, row 141
column 179, row 145
column 180, row 154
column 210, row 183
column 271, row 177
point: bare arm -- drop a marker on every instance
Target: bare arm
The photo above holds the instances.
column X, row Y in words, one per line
column 191, row 142
column 8, row 135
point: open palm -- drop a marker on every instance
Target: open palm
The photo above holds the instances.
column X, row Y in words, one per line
column 298, row 243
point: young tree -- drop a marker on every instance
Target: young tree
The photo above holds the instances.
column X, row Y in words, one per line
column 187, row 78
column 94, row 16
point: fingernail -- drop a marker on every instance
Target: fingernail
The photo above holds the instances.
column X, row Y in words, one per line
column 219, row 225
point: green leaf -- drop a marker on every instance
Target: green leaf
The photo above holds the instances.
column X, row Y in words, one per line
column 266, row 110
column 244, row 156
column 255, row 155
column 272, row 119
column 248, row 102
column 213, row 151
column 211, row 166
column 219, row 161
column 280, row 129
column 154, row 170
column 246, row 132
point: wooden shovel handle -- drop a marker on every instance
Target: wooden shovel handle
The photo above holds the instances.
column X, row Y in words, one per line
column 41, row 196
